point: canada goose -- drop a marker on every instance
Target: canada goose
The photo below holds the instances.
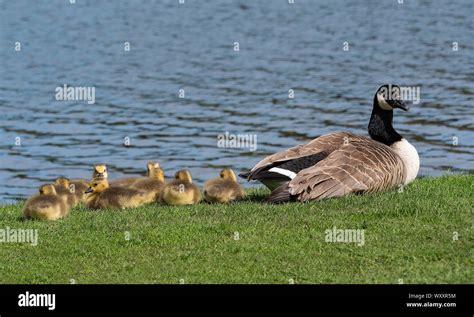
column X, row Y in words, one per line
column 154, row 181
column 100, row 195
column 224, row 188
column 341, row 163
column 181, row 191
column 48, row 205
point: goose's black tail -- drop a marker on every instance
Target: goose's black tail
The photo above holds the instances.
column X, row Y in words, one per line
column 280, row 195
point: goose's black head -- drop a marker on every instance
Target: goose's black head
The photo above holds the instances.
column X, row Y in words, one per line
column 387, row 98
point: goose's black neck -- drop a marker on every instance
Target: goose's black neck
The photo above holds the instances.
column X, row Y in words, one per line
column 380, row 125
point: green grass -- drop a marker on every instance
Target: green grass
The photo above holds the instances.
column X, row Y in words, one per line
column 408, row 238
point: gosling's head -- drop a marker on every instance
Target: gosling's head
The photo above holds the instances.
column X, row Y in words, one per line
column 388, row 97
column 62, row 182
column 154, row 171
column 228, row 173
column 100, row 171
column 184, row 175
column 47, row 190
column 97, row 185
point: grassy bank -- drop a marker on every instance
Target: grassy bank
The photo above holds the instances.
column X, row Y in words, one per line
column 409, row 237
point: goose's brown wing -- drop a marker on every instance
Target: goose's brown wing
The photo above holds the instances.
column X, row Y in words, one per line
column 363, row 165
column 323, row 145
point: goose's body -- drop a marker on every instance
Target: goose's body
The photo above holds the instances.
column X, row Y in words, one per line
column 124, row 182
column 342, row 163
column 48, row 205
column 181, row 190
column 410, row 158
column 101, row 196
column 223, row 189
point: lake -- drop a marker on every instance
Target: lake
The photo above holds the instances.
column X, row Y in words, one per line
column 170, row 78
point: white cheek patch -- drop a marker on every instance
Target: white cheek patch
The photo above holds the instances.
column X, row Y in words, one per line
column 382, row 103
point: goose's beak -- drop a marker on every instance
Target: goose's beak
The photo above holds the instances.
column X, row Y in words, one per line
column 399, row 104
column 88, row 190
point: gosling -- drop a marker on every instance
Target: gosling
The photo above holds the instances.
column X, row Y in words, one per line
column 63, row 187
column 48, row 205
column 100, row 171
column 181, row 191
column 78, row 187
column 100, row 196
column 223, row 189
column 154, row 181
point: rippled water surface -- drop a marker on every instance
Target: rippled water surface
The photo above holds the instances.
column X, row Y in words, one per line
column 191, row 47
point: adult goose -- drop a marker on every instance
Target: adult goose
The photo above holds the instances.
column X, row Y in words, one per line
column 338, row 164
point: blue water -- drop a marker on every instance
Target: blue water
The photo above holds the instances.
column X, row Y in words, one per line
column 191, row 47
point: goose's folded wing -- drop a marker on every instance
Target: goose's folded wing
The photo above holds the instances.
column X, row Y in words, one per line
column 321, row 146
column 363, row 166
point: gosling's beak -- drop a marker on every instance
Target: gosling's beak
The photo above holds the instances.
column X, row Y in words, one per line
column 88, row 190
column 399, row 104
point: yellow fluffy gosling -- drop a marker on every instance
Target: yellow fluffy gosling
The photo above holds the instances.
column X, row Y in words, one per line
column 154, row 181
column 100, row 171
column 63, row 186
column 223, row 189
column 78, row 187
column 100, row 195
column 48, row 205
column 181, row 191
